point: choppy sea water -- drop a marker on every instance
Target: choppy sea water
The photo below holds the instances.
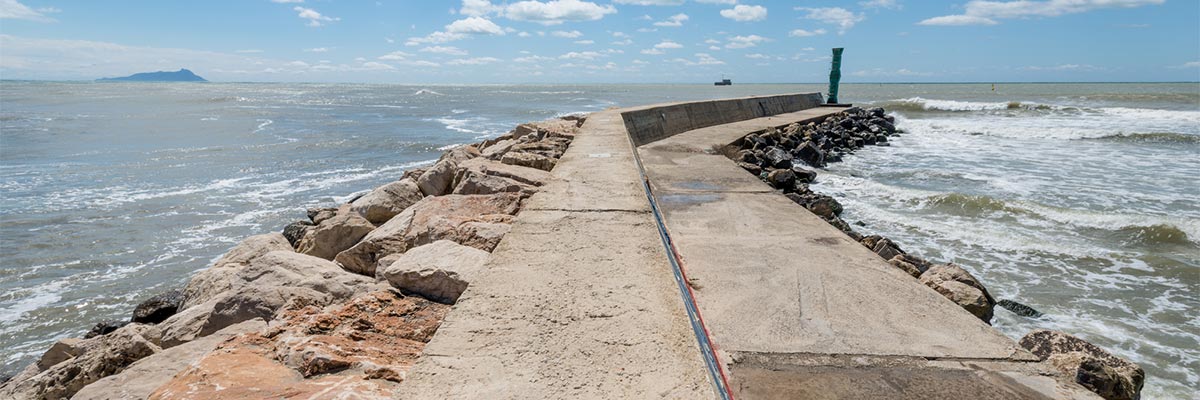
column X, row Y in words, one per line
column 1077, row 199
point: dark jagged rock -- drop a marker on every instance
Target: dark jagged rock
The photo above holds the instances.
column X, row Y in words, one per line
column 1019, row 309
column 296, row 230
column 1111, row 377
column 777, row 158
column 810, row 154
column 158, row 308
column 782, row 179
column 804, row 175
column 751, row 168
column 105, row 327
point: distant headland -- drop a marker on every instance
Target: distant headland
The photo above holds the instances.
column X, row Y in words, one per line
column 182, row 75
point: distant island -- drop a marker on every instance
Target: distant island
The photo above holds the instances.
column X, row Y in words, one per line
column 182, row 75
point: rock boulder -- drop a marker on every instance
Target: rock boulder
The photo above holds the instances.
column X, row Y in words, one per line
column 958, row 285
column 333, row 235
column 1111, row 377
column 158, row 308
column 386, row 201
column 439, row 271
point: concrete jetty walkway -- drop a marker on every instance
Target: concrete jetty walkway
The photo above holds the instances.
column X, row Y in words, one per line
column 580, row 301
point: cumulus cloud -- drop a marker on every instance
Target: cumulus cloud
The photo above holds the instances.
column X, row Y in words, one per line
column 448, row 50
column 653, row 51
column 478, row 8
column 806, row 33
column 585, row 42
column 885, row 73
column 982, row 12
column 532, row 59
column 458, row 30
column 701, row 59
column 566, row 34
column 843, row 18
column 395, row 56
column 287, row 1
column 673, row 21
column 555, row 12
column 745, row 13
column 888, row 4
column 650, row 2
column 317, row 50
column 744, row 42
column 585, row 55
column 667, row 44
column 473, row 61
column 12, row 9
column 314, row 18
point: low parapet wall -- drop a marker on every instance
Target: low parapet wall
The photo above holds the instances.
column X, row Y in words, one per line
column 646, row 125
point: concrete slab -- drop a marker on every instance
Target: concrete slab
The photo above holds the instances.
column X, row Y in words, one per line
column 577, row 301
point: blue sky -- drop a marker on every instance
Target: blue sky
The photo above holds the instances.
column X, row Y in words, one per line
column 619, row 41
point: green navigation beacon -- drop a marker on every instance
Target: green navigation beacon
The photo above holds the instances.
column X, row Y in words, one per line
column 835, row 75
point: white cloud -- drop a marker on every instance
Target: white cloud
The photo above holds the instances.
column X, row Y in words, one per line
column 957, row 20
column 714, row 48
column 701, row 59
column 984, row 12
column 712, row 41
column 640, row 62
column 625, row 42
column 743, row 42
column 673, row 21
column 523, row 34
column 726, row 2
column 586, row 55
column 620, row 35
column 473, row 61
column 1190, row 64
column 474, row 26
column 667, row 44
column 745, row 13
column 532, row 59
column 888, row 4
column 566, row 34
column 373, row 65
column 650, row 2
column 556, row 12
column 458, row 30
column 806, row 33
column 314, row 18
column 448, row 50
column 758, row 56
column 478, row 8
column 317, row 50
column 841, row 17
column 1064, row 67
column 585, row 42
column 880, row 72
column 653, row 52
column 287, row 1
column 248, row 51
column 12, row 9
column 395, row 56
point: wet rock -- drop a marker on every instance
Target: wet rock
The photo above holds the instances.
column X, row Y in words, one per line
column 1111, row 377
column 1019, row 309
column 810, row 154
column 886, row 249
column 902, row 264
column 158, row 308
column 782, row 179
column 60, row 351
column 777, row 158
column 386, row 201
column 104, row 327
column 530, row 160
column 296, row 230
column 479, row 221
column 439, row 271
column 804, row 175
column 318, row 214
column 958, row 285
column 746, row 156
column 824, row 206
column 335, row 235
column 95, row 358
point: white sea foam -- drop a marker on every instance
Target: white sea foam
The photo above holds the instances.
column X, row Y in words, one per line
column 427, row 92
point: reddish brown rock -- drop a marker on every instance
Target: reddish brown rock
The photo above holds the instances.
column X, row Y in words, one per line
column 1111, row 377
column 958, row 285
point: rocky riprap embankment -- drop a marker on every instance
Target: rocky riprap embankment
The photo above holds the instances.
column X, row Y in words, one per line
column 787, row 158
column 338, row 305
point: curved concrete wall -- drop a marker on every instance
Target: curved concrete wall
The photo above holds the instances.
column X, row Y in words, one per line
column 646, row 125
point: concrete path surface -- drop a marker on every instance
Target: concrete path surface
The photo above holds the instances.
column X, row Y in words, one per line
column 579, row 299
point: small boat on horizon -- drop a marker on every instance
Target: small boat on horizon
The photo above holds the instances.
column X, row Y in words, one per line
column 723, row 82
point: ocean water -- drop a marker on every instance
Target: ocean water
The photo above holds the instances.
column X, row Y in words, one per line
column 1077, row 199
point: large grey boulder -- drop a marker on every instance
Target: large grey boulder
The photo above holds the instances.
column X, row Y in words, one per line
column 218, row 278
column 530, row 160
column 386, row 201
column 333, row 235
column 439, row 271
column 92, row 360
column 270, row 283
column 958, row 285
column 158, row 308
column 1111, row 377
column 524, row 175
column 479, row 221
column 439, row 179
column 140, row 379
